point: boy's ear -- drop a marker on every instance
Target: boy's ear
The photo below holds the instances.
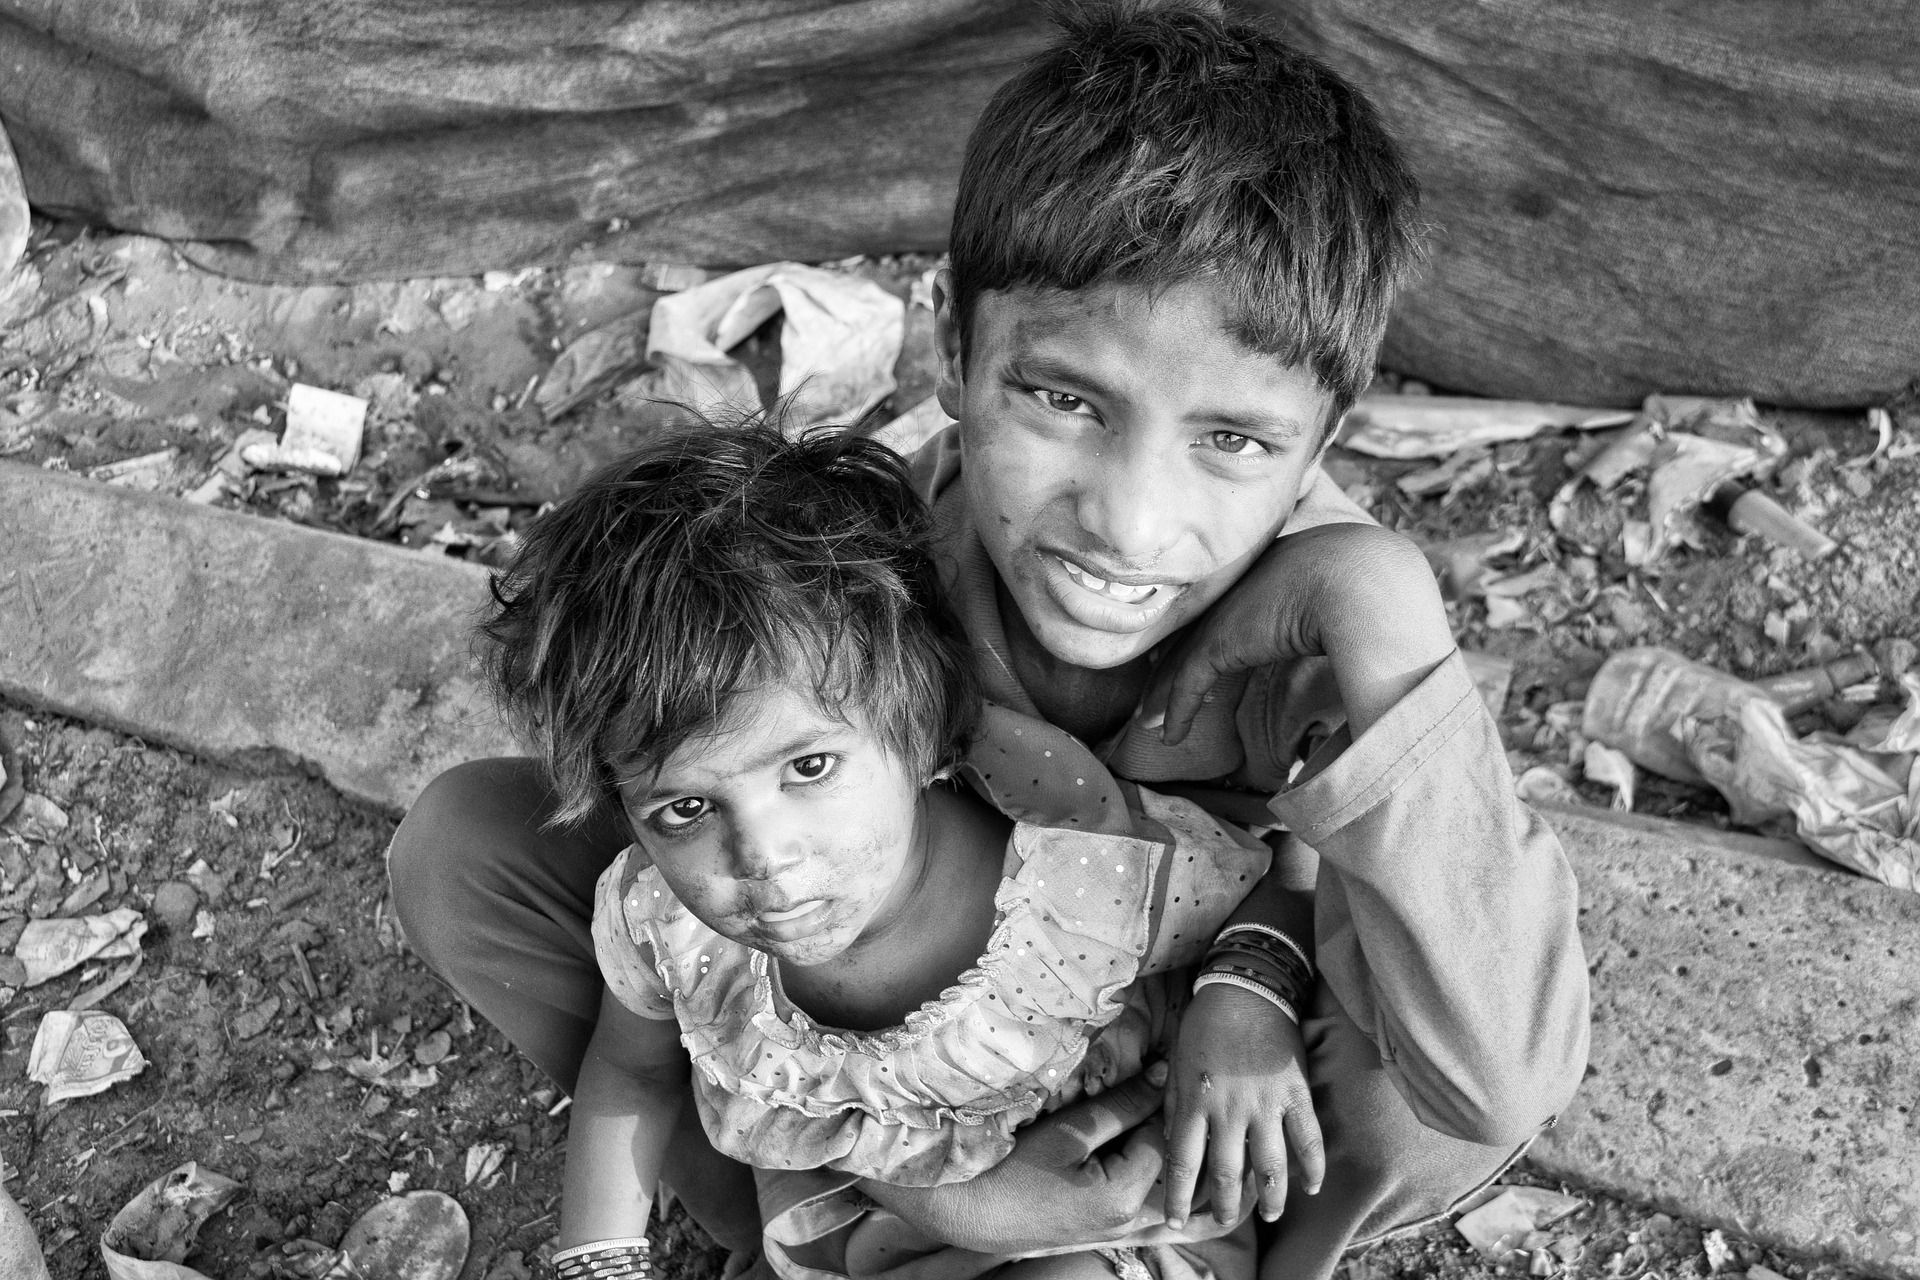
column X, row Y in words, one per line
column 948, row 343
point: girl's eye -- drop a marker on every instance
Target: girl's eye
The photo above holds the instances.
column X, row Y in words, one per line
column 814, row 767
column 1060, row 401
column 683, row 812
column 1234, row 442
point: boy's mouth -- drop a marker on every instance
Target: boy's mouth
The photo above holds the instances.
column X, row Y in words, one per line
column 1119, row 591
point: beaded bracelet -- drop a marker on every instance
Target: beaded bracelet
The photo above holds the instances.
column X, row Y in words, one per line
column 1212, row 976
column 622, row 1259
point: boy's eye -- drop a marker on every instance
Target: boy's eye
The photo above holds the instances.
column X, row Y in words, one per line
column 1234, row 442
column 683, row 812
column 814, row 767
column 1060, row 401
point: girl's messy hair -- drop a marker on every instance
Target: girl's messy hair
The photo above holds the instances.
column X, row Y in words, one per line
column 712, row 562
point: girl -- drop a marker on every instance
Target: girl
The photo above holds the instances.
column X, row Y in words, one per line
column 878, row 925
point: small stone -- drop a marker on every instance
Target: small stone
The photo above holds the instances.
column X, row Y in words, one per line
column 175, row 902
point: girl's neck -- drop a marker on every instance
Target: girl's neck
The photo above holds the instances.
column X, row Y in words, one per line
column 938, row 931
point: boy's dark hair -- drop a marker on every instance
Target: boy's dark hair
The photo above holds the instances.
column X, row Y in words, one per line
column 1159, row 144
column 710, row 563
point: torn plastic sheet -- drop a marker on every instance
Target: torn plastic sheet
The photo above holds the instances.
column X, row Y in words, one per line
column 839, row 338
column 1859, row 807
column 150, row 1238
column 1404, row 427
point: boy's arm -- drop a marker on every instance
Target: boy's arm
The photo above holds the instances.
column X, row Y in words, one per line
column 632, row 1083
column 1446, row 911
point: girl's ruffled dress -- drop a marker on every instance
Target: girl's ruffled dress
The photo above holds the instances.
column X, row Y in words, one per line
column 1108, row 894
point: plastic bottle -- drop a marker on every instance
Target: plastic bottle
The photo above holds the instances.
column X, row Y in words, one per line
column 1641, row 695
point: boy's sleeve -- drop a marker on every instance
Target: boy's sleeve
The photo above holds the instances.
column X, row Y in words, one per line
column 1446, row 914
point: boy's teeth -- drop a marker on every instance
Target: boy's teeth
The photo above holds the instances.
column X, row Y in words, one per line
column 1112, row 590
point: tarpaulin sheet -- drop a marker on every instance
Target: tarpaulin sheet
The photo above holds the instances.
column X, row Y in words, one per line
column 1714, row 196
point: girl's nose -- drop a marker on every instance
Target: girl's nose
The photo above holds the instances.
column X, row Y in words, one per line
column 762, row 848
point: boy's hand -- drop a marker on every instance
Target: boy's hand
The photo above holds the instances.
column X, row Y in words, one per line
column 1238, row 1088
column 1359, row 594
column 1061, row 1185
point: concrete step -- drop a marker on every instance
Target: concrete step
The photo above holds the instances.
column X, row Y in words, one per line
column 1755, row 1029
column 233, row 636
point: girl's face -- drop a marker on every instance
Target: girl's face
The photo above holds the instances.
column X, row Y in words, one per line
column 786, row 830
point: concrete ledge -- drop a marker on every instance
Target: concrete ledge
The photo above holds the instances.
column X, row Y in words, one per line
column 1756, row 1030
column 230, row 635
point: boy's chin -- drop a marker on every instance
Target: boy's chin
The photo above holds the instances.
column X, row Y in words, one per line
column 1093, row 649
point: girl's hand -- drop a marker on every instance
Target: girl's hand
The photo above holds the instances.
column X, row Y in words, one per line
column 1237, row 1097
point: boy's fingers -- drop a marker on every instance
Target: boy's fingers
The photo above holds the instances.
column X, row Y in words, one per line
column 1186, row 1151
column 1229, row 1161
column 1094, row 1122
column 1303, row 1135
column 1189, row 686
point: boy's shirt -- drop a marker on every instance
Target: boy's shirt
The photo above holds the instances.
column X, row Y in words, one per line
column 1445, row 916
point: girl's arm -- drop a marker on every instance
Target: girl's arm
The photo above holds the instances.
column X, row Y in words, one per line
column 632, row 1083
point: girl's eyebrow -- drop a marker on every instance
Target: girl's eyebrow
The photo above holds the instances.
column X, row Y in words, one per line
column 806, row 742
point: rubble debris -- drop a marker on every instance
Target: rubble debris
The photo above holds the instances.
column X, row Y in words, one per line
column 49, row 948
column 13, row 782
column 421, row 1235
column 323, row 435
column 148, row 473
column 915, row 427
column 592, row 363
column 20, row 1256
column 1515, row 1219
column 15, row 221
column 1403, row 427
column 1751, row 511
column 1610, row 767
column 37, row 818
column 150, row 1237
column 78, row 1053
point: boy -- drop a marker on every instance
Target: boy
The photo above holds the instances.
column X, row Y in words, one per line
column 1173, row 254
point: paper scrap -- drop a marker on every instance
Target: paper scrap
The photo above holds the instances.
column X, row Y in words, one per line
column 78, row 1054
column 151, row 1236
column 323, row 435
column 148, row 473
column 1541, row 785
column 1403, row 427
column 840, row 336
column 1610, row 767
column 48, row 948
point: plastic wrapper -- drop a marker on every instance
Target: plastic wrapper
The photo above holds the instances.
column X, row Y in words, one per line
column 49, row 948
column 80, row 1053
column 840, row 336
column 1404, row 427
column 323, row 435
column 149, row 1239
column 1858, row 805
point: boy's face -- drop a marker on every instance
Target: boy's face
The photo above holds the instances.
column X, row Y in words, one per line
column 786, row 830
column 1125, row 457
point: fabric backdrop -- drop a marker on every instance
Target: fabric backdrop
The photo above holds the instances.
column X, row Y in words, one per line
column 1629, row 195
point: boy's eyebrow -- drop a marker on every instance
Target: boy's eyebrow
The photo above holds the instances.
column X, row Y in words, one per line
column 1039, row 367
column 806, row 742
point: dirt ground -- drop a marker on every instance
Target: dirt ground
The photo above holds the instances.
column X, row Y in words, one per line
column 294, row 1043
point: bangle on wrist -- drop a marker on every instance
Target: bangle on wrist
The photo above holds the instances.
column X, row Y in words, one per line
column 624, row 1258
column 1266, row 931
column 1213, row 977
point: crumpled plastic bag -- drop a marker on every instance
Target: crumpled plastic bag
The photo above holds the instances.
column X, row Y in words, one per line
column 839, row 339
column 150, row 1237
column 1857, row 805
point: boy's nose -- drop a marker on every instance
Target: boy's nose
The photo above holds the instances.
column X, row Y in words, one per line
column 1131, row 503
